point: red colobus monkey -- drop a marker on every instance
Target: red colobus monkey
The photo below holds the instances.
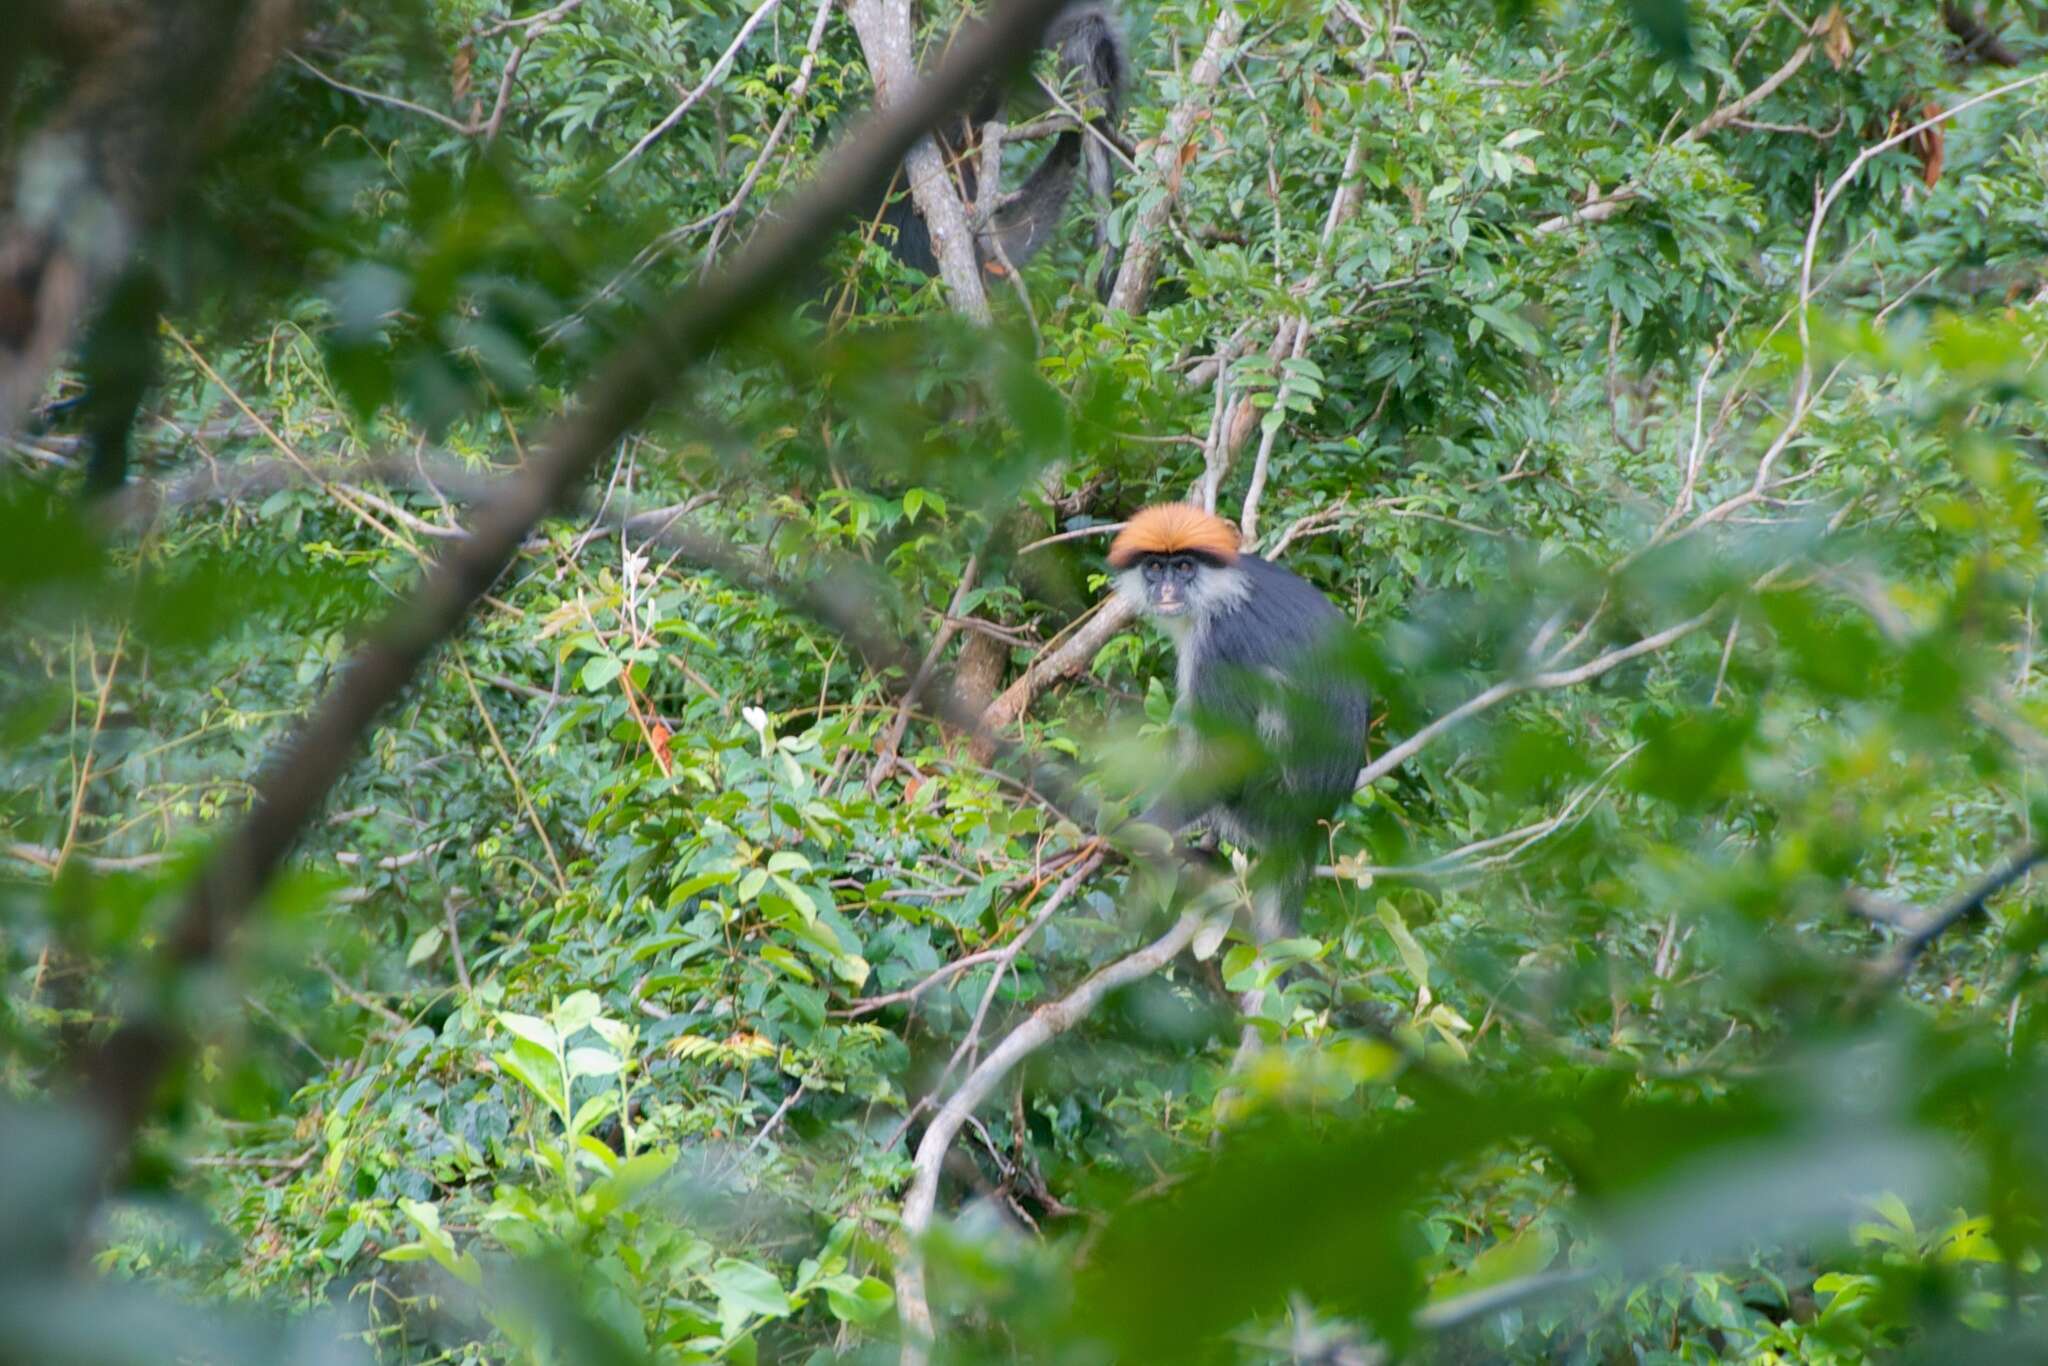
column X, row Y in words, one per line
column 1273, row 727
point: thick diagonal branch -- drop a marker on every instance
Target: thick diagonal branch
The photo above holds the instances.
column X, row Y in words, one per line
column 1970, row 902
column 123, row 1073
column 166, row 79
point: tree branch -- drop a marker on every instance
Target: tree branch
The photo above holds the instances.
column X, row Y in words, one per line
column 2017, row 865
column 1101, row 622
column 122, row 1073
column 1142, row 251
column 711, row 79
column 1046, row 1024
column 884, row 30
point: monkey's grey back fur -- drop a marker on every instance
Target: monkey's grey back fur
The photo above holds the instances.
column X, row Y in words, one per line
column 1090, row 43
column 1266, row 663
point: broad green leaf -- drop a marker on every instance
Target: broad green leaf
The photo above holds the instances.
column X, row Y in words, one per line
column 425, row 947
column 864, row 1304
column 744, row 1291
column 592, row 1062
column 535, row 1031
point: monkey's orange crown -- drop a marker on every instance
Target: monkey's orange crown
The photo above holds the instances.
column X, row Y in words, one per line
column 1174, row 529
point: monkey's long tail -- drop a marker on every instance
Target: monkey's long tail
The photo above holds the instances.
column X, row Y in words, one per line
column 1279, row 887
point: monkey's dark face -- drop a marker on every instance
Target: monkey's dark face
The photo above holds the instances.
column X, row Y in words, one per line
column 1181, row 590
column 1170, row 583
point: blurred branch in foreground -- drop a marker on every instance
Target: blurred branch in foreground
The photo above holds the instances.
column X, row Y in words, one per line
column 122, row 1073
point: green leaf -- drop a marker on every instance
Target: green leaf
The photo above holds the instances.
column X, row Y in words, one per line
column 600, row 672
column 537, row 1078
column 863, row 1305
column 537, row 1032
column 788, row 962
column 1524, row 1254
column 628, row 1179
column 1509, row 326
column 424, row 947
column 593, row 1062
column 1412, row 956
column 593, row 1110
column 576, row 1012
column 744, row 1290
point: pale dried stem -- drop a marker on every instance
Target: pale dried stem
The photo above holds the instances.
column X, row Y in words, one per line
column 1143, row 248
column 1046, row 1024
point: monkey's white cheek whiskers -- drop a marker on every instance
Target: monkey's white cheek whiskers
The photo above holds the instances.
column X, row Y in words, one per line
column 1217, row 590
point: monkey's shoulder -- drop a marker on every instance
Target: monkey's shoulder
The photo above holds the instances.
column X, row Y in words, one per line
column 1278, row 612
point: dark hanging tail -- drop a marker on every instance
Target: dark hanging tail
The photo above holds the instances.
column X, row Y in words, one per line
column 1090, row 45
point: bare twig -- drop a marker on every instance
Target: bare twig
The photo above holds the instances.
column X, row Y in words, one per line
column 456, row 125
column 533, row 819
column 939, row 976
column 1600, row 207
column 892, row 734
column 1729, row 113
column 369, row 1003
column 1597, row 209
column 92, row 737
column 1070, row 657
column 532, row 28
column 1834, row 192
column 284, row 448
column 50, row 860
column 455, row 942
column 1047, row 1023
column 793, row 101
column 1100, row 529
column 1464, row 860
column 1293, row 345
column 1004, row 961
column 391, row 863
column 1537, row 682
column 1310, row 524
column 774, row 1122
column 710, row 81
column 1341, row 203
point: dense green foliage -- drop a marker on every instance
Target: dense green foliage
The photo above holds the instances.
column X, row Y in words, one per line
column 1692, row 452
